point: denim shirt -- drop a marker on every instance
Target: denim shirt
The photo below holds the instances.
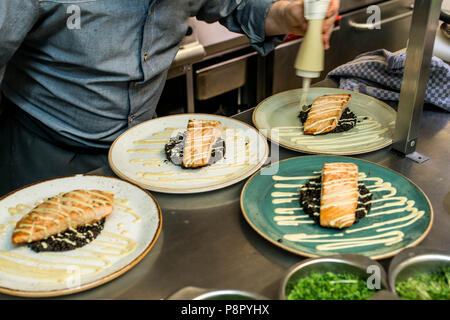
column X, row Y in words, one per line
column 90, row 69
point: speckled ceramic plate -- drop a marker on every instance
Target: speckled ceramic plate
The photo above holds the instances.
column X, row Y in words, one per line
column 138, row 155
column 277, row 118
column 129, row 233
column 401, row 214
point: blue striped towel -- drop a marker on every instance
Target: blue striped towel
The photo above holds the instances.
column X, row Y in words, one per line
column 379, row 74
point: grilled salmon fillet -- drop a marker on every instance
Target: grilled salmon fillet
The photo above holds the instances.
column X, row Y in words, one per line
column 200, row 137
column 339, row 195
column 325, row 113
column 57, row 214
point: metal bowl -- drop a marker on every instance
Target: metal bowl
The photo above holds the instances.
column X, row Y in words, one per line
column 194, row 293
column 413, row 261
column 229, row 295
column 342, row 263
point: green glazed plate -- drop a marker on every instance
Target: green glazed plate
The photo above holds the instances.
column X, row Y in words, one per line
column 277, row 118
column 401, row 214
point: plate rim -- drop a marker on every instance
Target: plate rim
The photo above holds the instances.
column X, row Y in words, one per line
column 309, row 255
column 337, row 153
column 191, row 190
column 94, row 283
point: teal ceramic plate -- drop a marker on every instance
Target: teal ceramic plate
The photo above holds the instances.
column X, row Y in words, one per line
column 277, row 118
column 401, row 214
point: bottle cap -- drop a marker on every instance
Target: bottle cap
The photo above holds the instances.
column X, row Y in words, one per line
column 316, row 9
column 307, row 74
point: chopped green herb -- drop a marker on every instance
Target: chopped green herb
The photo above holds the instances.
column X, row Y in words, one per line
column 432, row 286
column 330, row 286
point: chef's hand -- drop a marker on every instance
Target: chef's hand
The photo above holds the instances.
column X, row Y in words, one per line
column 287, row 17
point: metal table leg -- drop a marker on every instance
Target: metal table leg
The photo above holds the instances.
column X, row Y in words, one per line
column 190, row 89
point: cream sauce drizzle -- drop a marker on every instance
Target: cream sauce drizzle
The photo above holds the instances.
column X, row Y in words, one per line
column 144, row 150
column 288, row 185
column 283, row 194
column 149, row 141
column 385, row 202
column 388, row 238
column 20, row 209
column 239, row 155
column 284, row 200
column 206, row 178
column 366, row 132
column 122, row 205
column 107, row 247
column 287, row 210
column 292, row 220
column 149, row 162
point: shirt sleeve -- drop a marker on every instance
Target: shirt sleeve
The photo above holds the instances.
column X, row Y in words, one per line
column 16, row 20
column 243, row 16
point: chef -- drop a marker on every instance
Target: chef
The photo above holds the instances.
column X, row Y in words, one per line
column 75, row 74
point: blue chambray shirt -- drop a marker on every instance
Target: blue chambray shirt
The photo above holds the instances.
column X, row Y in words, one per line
column 90, row 69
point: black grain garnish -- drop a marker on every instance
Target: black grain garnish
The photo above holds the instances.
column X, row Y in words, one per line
column 310, row 200
column 69, row 239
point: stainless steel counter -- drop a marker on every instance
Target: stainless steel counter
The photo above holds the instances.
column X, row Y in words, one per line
column 205, row 241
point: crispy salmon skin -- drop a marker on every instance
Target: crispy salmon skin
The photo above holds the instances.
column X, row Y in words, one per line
column 339, row 195
column 325, row 113
column 200, row 137
column 57, row 214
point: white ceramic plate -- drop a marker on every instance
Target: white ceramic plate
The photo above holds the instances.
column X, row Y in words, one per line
column 138, row 156
column 129, row 233
column 278, row 116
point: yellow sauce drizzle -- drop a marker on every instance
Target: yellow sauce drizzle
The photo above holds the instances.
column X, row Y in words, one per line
column 121, row 204
column 238, row 156
column 387, row 204
column 107, row 247
column 20, row 209
column 366, row 132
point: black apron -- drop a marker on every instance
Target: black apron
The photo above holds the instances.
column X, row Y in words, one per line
column 30, row 152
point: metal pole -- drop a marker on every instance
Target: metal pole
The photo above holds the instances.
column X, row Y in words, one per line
column 419, row 52
column 264, row 76
column 190, row 89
